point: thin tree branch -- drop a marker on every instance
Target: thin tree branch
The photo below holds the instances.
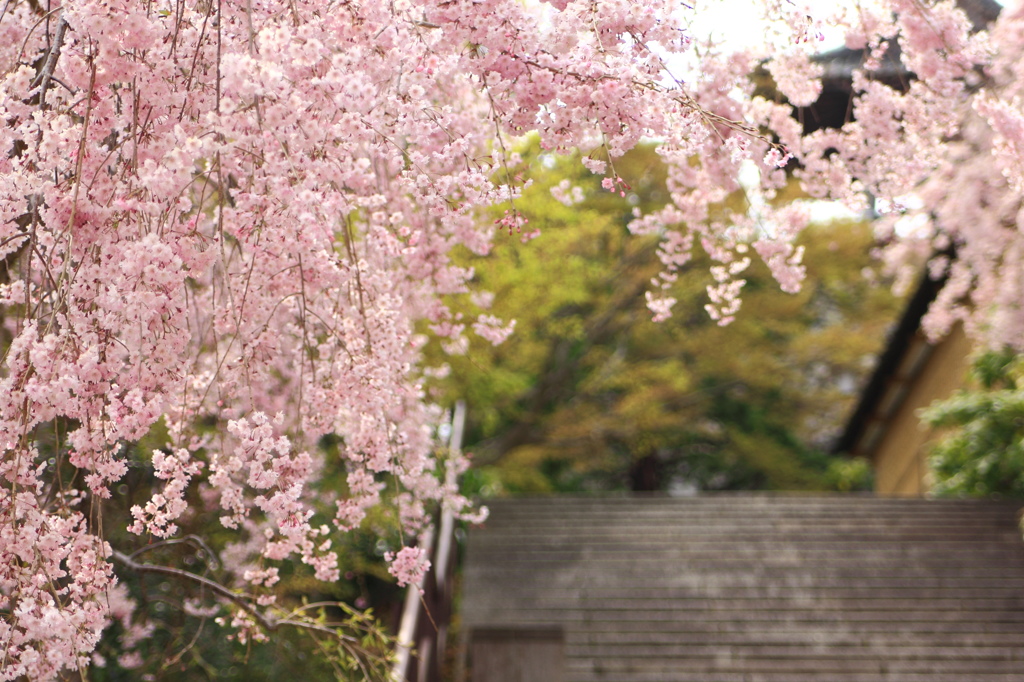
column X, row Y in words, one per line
column 46, row 73
column 243, row 601
column 192, row 539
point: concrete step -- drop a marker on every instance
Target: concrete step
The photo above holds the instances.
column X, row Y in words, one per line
column 758, row 588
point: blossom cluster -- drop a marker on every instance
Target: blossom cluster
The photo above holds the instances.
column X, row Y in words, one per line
column 965, row 217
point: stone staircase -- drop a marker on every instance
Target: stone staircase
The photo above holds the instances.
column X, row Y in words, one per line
column 752, row 588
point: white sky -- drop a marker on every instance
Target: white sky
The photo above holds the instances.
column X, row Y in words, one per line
column 738, row 22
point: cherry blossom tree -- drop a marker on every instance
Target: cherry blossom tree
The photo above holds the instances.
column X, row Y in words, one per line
column 241, row 214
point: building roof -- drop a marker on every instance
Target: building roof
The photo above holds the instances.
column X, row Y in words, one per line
column 762, row 588
column 905, row 354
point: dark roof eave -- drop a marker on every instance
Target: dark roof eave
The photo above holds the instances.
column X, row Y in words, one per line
column 888, row 363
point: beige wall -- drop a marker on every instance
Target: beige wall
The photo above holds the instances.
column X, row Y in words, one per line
column 901, row 467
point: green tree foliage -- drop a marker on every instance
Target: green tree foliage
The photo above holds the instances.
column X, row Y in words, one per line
column 589, row 393
column 982, row 454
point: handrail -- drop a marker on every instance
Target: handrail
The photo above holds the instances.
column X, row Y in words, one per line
column 414, row 615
